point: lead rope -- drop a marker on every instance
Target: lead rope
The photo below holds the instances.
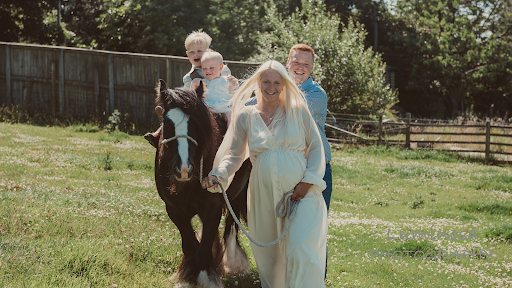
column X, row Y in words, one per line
column 286, row 207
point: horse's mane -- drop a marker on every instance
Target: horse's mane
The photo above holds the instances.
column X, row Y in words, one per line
column 200, row 116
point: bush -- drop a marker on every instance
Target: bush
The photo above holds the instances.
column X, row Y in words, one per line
column 352, row 77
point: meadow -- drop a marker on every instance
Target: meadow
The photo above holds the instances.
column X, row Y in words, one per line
column 80, row 209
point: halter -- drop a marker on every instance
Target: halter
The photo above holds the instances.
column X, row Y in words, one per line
column 165, row 141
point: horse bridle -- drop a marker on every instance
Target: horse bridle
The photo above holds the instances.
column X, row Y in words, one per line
column 165, row 141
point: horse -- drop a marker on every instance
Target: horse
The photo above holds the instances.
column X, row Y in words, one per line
column 185, row 149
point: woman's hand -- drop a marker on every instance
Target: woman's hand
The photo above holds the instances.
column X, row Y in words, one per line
column 208, row 182
column 300, row 191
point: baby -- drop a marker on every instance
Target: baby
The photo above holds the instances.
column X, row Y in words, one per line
column 218, row 88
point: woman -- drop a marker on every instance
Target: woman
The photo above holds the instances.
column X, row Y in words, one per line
column 286, row 151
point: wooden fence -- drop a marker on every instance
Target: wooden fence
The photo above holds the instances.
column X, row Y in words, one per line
column 488, row 138
column 89, row 83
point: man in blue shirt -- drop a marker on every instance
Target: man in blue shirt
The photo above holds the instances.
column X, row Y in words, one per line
column 300, row 64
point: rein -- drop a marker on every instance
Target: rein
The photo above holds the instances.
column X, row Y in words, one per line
column 286, row 207
column 165, row 141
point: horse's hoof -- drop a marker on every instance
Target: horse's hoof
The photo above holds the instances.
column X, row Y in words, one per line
column 209, row 281
column 184, row 285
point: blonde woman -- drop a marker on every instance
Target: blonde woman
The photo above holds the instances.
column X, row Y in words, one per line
column 286, row 150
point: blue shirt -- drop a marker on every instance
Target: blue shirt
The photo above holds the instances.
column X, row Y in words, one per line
column 316, row 99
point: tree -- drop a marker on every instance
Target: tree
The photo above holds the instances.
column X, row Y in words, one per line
column 161, row 26
column 459, row 53
column 25, row 21
column 145, row 26
column 235, row 24
column 351, row 75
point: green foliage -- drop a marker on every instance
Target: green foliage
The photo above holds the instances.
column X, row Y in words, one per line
column 493, row 208
column 500, row 232
column 26, row 21
column 458, row 55
column 418, row 202
column 414, row 245
column 351, row 75
column 118, row 122
column 107, row 161
column 85, row 128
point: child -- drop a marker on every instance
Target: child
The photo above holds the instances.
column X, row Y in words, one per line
column 196, row 44
column 218, row 88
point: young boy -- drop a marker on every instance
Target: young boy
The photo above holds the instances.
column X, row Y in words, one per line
column 218, row 88
column 196, row 44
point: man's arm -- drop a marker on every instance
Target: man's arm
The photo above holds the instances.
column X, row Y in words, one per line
column 317, row 105
column 252, row 101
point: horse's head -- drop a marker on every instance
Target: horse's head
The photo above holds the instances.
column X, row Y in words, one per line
column 188, row 132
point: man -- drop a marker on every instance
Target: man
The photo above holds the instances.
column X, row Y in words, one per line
column 300, row 64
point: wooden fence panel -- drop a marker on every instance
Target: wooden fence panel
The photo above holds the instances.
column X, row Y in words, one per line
column 3, row 86
column 84, row 94
column 89, row 83
column 31, row 77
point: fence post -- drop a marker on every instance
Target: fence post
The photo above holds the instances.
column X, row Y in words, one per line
column 110, row 100
column 8, row 75
column 61, row 82
column 380, row 130
column 487, row 140
column 52, row 101
column 408, row 132
column 169, row 73
column 96, row 93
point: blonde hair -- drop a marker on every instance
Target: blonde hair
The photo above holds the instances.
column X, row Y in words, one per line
column 212, row 55
column 290, row 96
column 198, row 38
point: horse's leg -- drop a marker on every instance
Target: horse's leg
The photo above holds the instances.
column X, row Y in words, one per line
column 211, row 220
column 189, row 243
column 203, row 259
column 187, row 273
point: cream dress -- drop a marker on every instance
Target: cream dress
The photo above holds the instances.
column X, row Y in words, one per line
column 279, row 162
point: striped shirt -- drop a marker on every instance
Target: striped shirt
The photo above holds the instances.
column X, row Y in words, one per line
column 316, row 99
column 187, row 80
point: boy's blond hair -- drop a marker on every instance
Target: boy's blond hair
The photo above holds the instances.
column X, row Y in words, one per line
column 212, row 55
column 198, row 38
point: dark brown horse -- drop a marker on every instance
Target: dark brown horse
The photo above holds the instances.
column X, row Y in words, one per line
column 185, row 151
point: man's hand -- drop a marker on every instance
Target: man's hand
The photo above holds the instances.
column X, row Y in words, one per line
column 300, row 191
column 233, row 83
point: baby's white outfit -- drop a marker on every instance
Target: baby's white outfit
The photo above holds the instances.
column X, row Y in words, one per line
column 217, row 94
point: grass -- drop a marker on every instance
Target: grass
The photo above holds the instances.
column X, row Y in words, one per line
column 80, row 209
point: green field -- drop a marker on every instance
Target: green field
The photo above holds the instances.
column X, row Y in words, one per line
column 80, row 209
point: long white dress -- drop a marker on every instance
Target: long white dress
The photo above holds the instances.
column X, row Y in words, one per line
column 279, row 164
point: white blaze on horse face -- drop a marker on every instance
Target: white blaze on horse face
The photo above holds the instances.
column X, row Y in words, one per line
column 180, row 121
